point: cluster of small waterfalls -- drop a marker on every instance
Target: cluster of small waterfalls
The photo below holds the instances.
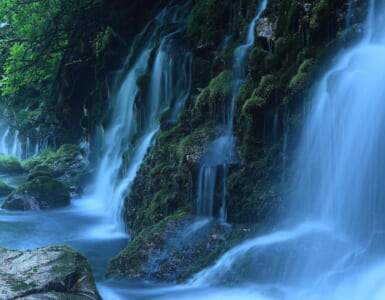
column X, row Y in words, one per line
column 12, row 144
column 331, row 243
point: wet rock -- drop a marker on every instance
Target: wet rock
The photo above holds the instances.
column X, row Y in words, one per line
column 266, row 28
column 65, row 163
column 171, row 250
column 52, row 273
column 5, row 189
column 42, row 192
column 10, row 165
column 68, row 164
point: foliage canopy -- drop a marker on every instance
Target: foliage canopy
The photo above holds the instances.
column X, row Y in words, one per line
column 34, row 38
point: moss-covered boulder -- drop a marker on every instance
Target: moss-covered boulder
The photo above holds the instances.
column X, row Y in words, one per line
column 171, row 249
column 67, row 163
column 177, row 247
column 205, row 28
column 52, row 272
column 42, row 192
column 5, row 189
column 213, row 99
column 10, row 165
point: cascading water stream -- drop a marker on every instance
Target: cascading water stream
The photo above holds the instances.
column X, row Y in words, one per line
column 222, row 151
column 337, row 184
column 12, row 144
column 132, row 129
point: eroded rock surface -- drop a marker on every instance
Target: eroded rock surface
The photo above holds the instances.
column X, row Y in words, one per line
column 42, row 192
column 52, row 272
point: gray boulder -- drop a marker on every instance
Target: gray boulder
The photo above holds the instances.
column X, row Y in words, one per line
column 52, row 273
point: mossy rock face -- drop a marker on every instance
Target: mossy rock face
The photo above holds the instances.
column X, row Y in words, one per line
column 252, row 105
column 324, row 19
column 42, row 192
column 5, row 189
column 192, row 147
column 169, row 250
column 52, row 272
column 68, row 150
column 10, row 165
column 257, row 63
column 213, row 99
column 266, row 111
column 176, row 248
column 66, row 164
column 205, row 28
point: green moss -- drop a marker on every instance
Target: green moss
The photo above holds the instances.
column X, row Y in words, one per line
column 102, row 39
column 289, row 16
column 5, row 189
column 213, row 99
column 32, row 163
column 67, row 160
column 10, row 165
column 245, row 92
column 324, row 20
column 194, row 144
column 253, row 104
column 257, row 63
column 300, row 82
column 131, row 259
column 286, row 49
column 205, row 25
column 220, row 84
column 143, row 81
column 269, row 87
column 45, row 192
column 18, row 286
column 68, row 150
column 306, row 65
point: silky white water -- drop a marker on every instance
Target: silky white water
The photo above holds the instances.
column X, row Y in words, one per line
column 334, row 246
column 221, row 152
column 11, row 144
column 133, row 125
column 338, row 183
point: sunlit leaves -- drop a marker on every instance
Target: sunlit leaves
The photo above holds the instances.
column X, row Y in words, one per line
column 34, row 41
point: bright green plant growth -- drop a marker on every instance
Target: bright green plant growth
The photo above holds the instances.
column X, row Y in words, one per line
column 34, row 38
column 9, row 165
column 5, row 189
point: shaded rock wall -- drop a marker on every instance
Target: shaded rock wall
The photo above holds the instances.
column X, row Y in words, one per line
column 296, row 40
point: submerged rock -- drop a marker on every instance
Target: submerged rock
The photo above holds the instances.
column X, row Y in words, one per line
column 5, row 189
column 42, row 192
column 172, row 250
column 52, row 273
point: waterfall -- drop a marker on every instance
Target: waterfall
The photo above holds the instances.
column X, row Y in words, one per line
column 349, row 15
column 222, row 151
column 135, row 113
column 3, row 143
column 334, row 247
column 10, row 143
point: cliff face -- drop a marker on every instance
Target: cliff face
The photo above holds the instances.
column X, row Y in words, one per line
column 295, row 40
